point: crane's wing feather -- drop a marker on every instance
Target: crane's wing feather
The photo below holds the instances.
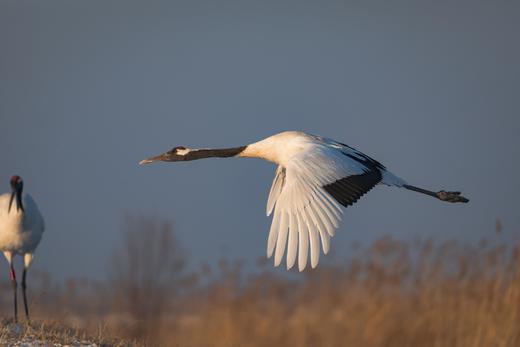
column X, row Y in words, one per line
column 276, row 189
column 348, row 190
column 306, row 197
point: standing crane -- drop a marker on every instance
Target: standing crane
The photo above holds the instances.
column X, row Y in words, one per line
column 21, row 229
column 315, row 175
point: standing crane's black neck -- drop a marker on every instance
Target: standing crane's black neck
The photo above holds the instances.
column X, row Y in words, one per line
column 16, row 194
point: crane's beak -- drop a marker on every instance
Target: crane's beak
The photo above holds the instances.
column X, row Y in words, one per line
column 167, row 156
column 11, row 201
column 150, row 160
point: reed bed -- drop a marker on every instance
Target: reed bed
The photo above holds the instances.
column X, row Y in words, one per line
column 390, row 293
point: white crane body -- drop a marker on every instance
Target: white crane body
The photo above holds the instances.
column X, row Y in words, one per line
column 314, row 178
column 21, row 230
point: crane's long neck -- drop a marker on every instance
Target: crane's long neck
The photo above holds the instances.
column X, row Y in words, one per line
column 213, row 153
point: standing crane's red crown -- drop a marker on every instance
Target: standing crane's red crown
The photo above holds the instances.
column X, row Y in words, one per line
column 15, row 180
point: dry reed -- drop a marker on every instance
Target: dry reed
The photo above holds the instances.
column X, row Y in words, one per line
column 392, row 293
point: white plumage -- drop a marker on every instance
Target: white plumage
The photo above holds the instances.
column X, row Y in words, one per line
column 21, row 229
column 314, row 177
column 304, row 212
column 20, row 232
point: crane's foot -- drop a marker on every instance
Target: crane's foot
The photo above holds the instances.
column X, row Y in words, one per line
column 451, row 196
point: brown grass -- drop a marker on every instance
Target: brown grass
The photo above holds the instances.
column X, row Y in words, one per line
column 441, row 295
column 391, row 293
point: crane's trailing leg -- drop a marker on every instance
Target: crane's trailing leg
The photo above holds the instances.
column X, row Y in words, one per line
column 12, row 276
column 24, row 287
column 441, row 195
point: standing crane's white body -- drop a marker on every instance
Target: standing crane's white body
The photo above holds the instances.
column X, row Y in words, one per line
column 20, row 231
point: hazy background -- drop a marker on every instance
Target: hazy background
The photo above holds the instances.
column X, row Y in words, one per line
column 89, row 88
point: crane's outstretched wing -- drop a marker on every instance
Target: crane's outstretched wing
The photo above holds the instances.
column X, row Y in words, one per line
column 306, row 194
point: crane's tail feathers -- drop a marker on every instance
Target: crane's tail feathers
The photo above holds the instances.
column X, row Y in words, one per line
column 390, row 179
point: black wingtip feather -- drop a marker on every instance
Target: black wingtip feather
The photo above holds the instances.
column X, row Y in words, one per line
column 349, row 189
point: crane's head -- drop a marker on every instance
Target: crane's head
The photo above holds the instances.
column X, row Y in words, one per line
column 178, row 153
column 16, row 192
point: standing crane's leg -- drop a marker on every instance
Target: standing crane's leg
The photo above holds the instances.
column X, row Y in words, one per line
column 27, row 258
column 24, row 287
column 12, row 276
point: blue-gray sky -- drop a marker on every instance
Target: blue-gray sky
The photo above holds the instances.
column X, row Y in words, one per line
column 88, row 88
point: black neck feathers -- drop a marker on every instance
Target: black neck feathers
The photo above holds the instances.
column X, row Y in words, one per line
column 214, row 153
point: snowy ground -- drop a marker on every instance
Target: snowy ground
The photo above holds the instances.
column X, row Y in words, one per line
column 42, row 334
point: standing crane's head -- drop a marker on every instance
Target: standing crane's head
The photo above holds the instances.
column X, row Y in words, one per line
column 178, row 153
column 16, row 192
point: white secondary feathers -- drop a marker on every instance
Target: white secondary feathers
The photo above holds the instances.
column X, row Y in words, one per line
column 276, row 189
column 303, row 210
